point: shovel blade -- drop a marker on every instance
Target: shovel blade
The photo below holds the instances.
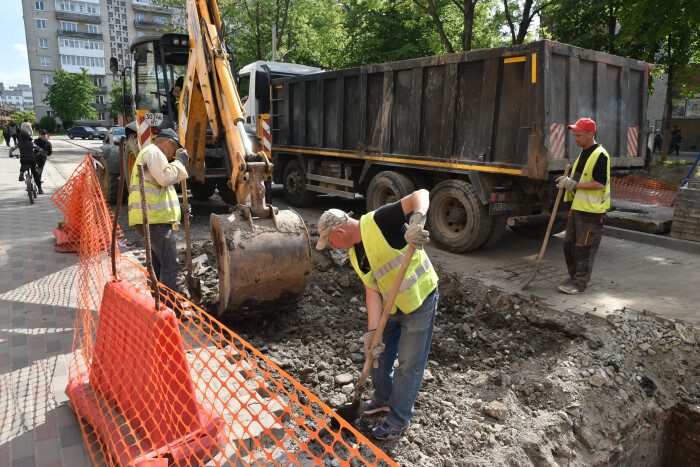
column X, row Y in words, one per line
column 529, row 279
column 194, row 287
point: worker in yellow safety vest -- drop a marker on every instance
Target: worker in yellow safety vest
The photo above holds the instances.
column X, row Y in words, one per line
column 588, row 190
column 377, row 244
column 161, row 199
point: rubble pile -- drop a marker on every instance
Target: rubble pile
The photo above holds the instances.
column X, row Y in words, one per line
column 506, row 384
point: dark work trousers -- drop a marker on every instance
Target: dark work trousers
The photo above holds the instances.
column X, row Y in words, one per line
column 35, row 170
column 164, row 255
column 584, row 231
column 41, row 161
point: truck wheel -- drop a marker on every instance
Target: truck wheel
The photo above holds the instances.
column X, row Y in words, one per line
column 109, row 182
column 387, row 187
column 538, row 231
column 459, row 221
column 131, row 150
column 294, row 186
column 498, row 227
column 202, row 190
column 228, row 196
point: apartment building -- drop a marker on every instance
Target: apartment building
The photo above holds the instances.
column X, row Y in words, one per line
column 19, row 96
column 75, row 34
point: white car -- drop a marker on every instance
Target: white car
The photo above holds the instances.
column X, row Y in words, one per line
column 114, row 135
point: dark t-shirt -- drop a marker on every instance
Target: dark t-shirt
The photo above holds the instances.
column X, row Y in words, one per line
column 44, row 144
column 600, row 171
column 392, row 222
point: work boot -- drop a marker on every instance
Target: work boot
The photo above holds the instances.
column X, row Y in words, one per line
column 566, row 281
column 570, row 289
column 40, row 191
column 21, row 176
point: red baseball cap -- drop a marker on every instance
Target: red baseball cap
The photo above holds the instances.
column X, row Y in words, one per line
column 585, row 124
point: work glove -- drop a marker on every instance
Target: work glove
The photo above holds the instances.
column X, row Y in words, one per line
column 369, row 352
column 416, row 235
column 565, row 182
column 182, row 156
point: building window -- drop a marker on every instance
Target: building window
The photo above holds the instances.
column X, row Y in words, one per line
column 66, row 26
column 41, row 24
column 98, row 82
column 99, row 99
column 39, row 6
column 140, row 17
column 160, row 19
column 140, row 33
column 45, row 61
column 111, row 26
column 102, row 115
column 93, row 28
column 43, row 43
column 47, row 79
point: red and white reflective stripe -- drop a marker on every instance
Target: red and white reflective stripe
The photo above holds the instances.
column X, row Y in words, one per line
column 144, row 130
column 632, row 141
column 266, row 136
column 556, row 141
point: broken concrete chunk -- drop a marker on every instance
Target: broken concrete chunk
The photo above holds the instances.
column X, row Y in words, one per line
column 495, row 410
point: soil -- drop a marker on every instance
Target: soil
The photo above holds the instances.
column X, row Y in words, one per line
column 671, row 174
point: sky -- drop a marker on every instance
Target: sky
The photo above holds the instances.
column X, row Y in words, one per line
column 14, row 67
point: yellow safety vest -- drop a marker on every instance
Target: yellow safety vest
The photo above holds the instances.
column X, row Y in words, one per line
column 385, row 262
column 163, row 203
column 597, row 201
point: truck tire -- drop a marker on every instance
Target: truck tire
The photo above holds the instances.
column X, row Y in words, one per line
column 227, row 195
column 498, row 228
column 387, row 187
column 202, row 190
column 294, row 186
column 109, row 182
column 131, row 150
column 459, row 221
column 538, row 231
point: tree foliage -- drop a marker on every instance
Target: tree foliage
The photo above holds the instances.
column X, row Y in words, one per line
column 71, row 97
column 18, row 117
column 116, row 98
column 48, row 123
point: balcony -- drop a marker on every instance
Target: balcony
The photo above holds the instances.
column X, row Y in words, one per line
column 80, row 34
column 146, row 7
column 147, row 24
column 82, row 17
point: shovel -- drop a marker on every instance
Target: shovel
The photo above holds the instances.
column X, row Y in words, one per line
column 193, row 284
column 351, row 412
column 527, row 281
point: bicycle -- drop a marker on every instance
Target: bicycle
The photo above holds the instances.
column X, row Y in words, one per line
column 29, row 182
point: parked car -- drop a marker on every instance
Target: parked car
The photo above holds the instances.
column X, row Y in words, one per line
column 101, row 131
column 82, row 132
column 114, row 135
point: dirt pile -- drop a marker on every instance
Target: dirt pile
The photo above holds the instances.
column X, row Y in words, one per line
column 507, row 383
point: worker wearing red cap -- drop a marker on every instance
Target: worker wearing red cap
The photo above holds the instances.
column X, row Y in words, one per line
column 588, row 190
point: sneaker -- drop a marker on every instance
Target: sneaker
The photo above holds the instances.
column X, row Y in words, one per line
column 386, row 431
column 565, row 281
column 41, row 192
column 570, row 289
column 21, row 176
column 373, row 407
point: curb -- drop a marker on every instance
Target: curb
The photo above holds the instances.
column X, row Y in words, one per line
column 663, row 241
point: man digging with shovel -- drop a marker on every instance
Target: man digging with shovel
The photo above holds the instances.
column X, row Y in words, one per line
column 377, row 244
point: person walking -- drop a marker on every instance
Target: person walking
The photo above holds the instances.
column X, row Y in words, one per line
column 14, row 131
column 675, row 140
column 28, row 156
column 6, row 134
column 588, row 189
column 658, row 141
column 162, row 201
column 26, row 126
column 377, row 244
column 46, row 148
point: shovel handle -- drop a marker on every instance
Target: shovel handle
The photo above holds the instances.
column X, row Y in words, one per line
column 186, row 221
column 551, row 218
column 384, row 318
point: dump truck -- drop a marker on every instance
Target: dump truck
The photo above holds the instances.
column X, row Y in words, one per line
column 263, row 254
column 484, row 131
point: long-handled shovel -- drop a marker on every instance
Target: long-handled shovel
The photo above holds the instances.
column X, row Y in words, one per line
column 193, row 284
column 527, row 281
column 351, row 412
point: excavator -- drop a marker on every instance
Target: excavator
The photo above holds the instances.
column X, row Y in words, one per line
column 263, row 254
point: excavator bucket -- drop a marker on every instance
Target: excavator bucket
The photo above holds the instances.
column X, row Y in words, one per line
column 264, row 263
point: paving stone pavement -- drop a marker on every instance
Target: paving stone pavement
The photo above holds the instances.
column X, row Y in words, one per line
column 37, row 310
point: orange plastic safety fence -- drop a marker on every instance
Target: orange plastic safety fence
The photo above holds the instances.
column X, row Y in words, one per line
column 642, row 190
column 174, row 386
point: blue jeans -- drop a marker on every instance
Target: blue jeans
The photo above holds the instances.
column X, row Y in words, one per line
column 407, row 336
column 164, row 254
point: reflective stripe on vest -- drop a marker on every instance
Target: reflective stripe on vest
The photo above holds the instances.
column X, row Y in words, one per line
column 163, row 203
column 596, row 201
column 385, row 262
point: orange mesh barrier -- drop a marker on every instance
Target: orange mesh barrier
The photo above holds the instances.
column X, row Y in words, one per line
column 642, row 190
column 174, row 386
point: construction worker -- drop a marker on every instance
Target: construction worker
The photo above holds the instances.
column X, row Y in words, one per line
column 377, row 243
column 162, row 200
column 588, row 188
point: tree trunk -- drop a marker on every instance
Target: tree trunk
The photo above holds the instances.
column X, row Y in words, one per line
column 468, row 34
column 612, row 25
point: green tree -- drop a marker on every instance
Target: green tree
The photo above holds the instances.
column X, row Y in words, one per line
column 47, row 123
column 521, row 13
column 116, row 98
column 71, row 97
column 19, row 117
column 592, row 24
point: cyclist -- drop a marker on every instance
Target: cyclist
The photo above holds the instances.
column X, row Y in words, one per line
column 45, row 145
column 27, row 156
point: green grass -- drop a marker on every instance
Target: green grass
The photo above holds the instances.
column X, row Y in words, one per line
column 673, row 163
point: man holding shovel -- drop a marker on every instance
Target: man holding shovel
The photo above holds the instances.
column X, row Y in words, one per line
column 377, row 244
column 589, row 190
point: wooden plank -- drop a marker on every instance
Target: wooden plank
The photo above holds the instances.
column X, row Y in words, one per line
column 362, row 96
column 488, row 105
column 416, row 105
column 320, row 112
